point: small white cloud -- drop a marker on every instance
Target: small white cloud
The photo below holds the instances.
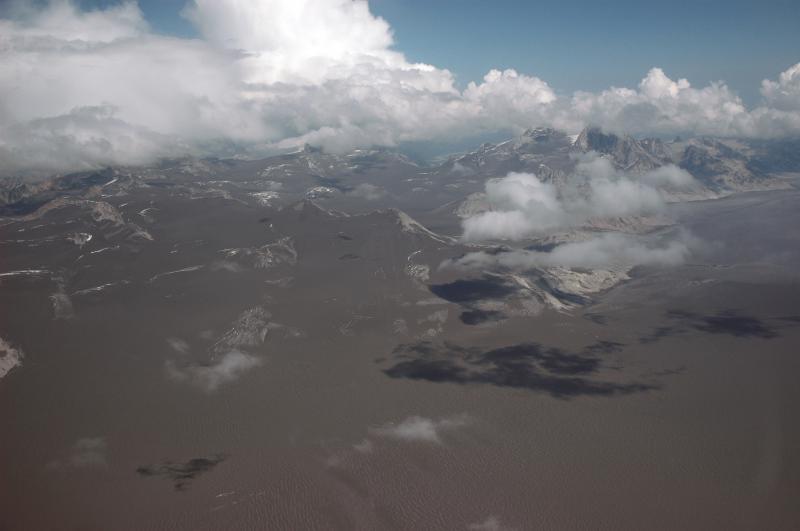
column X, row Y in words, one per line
column 492, row 523
column 364, row 447
column 178, row 345
column 368, row 191
column 421, row 429
column 225, row 369
column 90, row 451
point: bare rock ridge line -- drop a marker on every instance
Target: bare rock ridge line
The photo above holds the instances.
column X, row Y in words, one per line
column 720, row 165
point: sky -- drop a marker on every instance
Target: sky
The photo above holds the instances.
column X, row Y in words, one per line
column 87, row 83
column 591, row 45
column 579, row 45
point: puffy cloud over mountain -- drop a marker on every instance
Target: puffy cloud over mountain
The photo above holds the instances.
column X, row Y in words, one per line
column 522, row 205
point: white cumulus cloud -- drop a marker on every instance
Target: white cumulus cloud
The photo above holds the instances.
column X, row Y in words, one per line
column 421, row 429
column 609, row 250
column 226, row 369
column 522, row 205
column 81, row 89
column 784, row 94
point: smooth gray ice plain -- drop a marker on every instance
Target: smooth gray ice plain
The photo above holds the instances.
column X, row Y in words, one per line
column 209, row 361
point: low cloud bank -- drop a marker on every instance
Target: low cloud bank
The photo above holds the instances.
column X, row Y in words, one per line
column 81, row 89
column 607, row 251
column 522, row 205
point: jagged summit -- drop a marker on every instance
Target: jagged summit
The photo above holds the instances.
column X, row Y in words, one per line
column 593, row 138
column 542, row 133
column 625, row 151
column 541, row 140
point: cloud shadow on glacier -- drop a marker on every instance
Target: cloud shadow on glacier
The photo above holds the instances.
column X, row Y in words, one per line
column 181, row 474
column 729, row 322
column 531, row 366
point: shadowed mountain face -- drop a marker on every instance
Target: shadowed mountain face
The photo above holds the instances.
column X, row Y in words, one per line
column 368, row 179
column 720, row 165
column 627, row 153
column 296, row 343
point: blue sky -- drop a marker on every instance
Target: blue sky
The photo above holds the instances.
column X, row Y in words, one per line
column 586, row 45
